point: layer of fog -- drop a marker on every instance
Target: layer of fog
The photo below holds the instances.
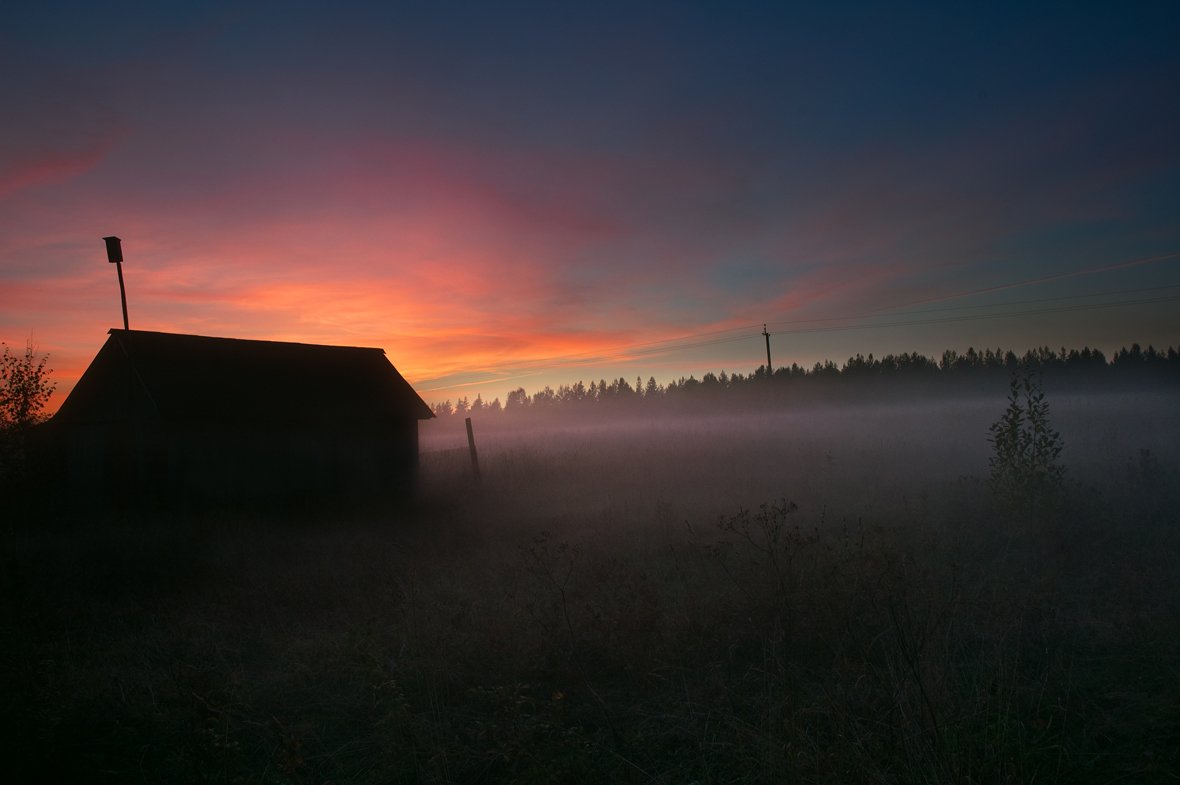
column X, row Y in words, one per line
column 843, row 460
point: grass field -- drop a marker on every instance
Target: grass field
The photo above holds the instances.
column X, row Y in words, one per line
column 829, row 595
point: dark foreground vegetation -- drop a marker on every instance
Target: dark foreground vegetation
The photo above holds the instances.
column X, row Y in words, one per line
column 832, row 595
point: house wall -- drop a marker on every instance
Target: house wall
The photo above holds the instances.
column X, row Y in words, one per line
column 102, row 465
column 113, row 444
column 141, row 464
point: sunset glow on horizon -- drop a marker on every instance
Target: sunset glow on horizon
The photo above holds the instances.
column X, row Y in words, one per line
column 527, row 196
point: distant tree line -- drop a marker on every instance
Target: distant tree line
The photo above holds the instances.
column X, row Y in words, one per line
column 894, row 375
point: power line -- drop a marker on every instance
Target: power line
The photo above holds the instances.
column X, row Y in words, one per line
column 1146, row 260
column 739, row 333
column 884, row 314
column 972, row 317
column 672, row 344
column 653, row 351
column 938, row 320
column 648, row 348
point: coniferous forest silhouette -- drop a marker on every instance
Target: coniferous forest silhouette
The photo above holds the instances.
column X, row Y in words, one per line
column 859, row 378
column 891, row 570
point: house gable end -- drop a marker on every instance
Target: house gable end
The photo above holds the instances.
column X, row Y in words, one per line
column 108, row 391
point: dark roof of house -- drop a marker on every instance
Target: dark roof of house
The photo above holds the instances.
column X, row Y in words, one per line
column 193, row 378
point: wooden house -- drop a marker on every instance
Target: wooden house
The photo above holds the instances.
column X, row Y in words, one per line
column 160, row 419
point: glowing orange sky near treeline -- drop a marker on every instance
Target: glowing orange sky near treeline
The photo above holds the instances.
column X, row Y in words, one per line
column 476, row 282
column 465, row 337
column 469, row 287
column 481, row 324
column 432, row 323
column 457, row 316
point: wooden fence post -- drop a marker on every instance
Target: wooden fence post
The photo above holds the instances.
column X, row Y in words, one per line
column 471, row 446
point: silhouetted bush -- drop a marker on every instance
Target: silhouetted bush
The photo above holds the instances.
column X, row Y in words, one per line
column 25, row 388
column 1024, row 463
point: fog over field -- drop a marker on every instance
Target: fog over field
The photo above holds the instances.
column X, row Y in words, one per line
column 821, row 593
column 848, row 459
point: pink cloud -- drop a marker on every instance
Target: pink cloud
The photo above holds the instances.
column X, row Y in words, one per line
column 41, row 167
column 18, row 176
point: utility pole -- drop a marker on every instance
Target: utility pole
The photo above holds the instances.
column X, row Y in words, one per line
column 767, row 335
column 115, row 257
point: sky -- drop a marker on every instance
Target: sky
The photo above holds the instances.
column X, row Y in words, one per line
column 508, row 194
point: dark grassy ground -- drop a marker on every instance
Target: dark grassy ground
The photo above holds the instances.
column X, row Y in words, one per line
column 633, row 603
